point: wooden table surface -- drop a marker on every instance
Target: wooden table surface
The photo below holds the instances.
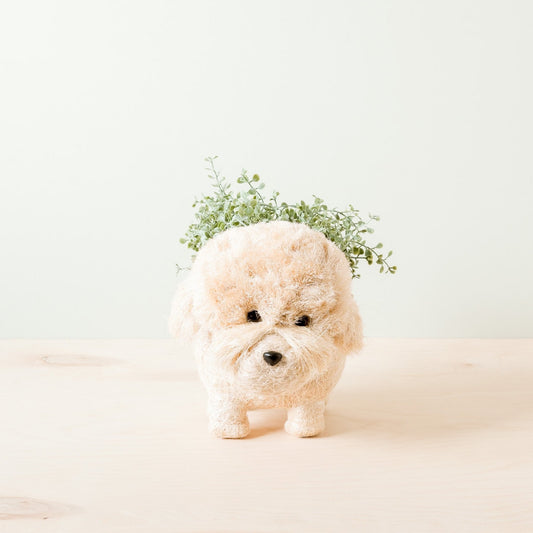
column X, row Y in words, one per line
column 110, row 436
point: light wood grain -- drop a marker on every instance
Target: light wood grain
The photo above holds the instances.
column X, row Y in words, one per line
column 110, row 436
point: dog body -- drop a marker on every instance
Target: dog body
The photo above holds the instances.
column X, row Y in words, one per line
column 270, row 310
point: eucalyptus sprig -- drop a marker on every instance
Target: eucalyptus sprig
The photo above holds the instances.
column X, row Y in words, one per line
column 224, row 209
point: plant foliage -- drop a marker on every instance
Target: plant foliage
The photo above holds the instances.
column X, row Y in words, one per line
column 224, row 209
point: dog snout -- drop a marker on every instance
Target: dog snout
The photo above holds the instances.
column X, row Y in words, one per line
column 272, row 358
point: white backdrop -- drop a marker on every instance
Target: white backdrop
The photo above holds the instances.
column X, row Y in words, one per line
column 419, row 111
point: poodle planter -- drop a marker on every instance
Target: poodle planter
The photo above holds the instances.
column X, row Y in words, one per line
column 270, row 312
column 268, row 302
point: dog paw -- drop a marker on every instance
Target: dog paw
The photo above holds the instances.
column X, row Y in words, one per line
column 300, row 428
column 230, row 431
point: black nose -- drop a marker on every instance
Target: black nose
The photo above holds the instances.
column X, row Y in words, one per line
column 272, row 358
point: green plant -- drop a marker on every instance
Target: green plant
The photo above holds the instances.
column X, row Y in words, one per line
column 224, row 209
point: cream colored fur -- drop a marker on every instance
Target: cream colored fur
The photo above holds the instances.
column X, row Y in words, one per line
column 284, row 271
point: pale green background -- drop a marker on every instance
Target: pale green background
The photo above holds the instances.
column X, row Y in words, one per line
column 420, row 111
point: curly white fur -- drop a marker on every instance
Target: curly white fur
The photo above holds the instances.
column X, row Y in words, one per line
column 283, row 271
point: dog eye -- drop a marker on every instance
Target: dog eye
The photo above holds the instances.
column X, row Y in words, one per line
column 303, row 321
column 253, row 316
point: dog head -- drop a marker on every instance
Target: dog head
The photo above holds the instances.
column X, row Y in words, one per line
column 272, row 304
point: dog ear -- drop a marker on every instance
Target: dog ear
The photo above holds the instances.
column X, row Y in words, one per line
column 182, row 322
column 350, row 339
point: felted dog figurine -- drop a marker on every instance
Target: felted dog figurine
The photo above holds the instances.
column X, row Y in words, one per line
column 270, row 310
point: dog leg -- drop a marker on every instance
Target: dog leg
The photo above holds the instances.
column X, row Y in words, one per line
column 227, row 418
column 306, row 420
